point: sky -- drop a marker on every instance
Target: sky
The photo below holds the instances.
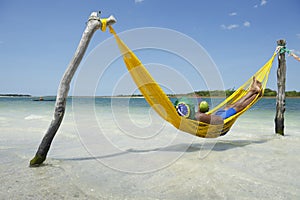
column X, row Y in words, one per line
column 38, row 38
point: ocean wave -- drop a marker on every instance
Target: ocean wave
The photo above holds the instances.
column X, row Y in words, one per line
column 32, row 117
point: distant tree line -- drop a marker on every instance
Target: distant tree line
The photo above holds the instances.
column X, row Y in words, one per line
column 221, row 93
column 292, row 93
column 268, row 93
column 215, row 93
column 272, row 93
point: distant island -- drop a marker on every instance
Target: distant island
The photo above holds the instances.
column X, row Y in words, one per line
column 15, row 95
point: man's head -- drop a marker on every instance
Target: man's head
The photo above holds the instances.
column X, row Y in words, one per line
column 203, row 107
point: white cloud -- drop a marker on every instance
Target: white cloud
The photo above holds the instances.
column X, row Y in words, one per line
column 298, row 35
column 138, row 1
column 263, row 2
column 233, row 14
column 246, row 24
column 229, row 27
column 234, row 26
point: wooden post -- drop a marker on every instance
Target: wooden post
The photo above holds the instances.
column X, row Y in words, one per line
column 280, row 99
column 93, row 24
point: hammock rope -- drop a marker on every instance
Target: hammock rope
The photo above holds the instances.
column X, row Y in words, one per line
column 160, row 102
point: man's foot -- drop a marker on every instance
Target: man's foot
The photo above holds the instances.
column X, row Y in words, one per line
column 256, row 85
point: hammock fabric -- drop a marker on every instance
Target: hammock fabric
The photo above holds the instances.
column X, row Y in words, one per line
column 160, row 102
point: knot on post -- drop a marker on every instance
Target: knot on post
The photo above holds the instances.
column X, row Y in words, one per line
column 104, row 21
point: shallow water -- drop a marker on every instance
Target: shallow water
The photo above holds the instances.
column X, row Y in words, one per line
column 106, row 149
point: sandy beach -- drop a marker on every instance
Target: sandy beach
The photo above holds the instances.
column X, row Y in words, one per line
column 250, row 162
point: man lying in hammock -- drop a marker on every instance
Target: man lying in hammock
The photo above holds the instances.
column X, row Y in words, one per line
column 185, row 108
column 219, row 116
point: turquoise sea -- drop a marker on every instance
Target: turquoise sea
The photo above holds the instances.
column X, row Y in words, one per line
column 23, row 110
column 119, row 148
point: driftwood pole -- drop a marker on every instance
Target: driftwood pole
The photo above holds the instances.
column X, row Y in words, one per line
column 94, row 23
column 280, row 99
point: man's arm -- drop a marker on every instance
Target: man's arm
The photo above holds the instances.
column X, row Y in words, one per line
column 209, row 119
column 295, row 56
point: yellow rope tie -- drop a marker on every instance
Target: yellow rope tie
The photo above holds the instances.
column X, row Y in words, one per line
column 103, row 22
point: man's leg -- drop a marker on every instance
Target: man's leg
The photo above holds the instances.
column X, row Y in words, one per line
column 255, row 88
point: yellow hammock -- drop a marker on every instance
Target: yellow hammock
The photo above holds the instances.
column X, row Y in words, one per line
column 160, row 102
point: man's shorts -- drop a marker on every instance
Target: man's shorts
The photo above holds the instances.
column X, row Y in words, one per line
column 226, row 113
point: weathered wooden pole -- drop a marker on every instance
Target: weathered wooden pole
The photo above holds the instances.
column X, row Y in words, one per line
column 94, row 23
column 280, row 99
